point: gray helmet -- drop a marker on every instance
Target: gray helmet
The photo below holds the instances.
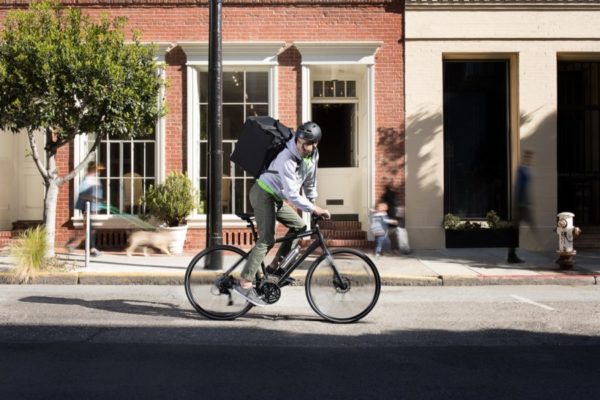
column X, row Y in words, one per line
column 309, row 131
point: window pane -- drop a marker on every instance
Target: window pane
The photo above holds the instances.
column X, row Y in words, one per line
column 318, row 89
column 351, row 88
column 203, row 195
column 203, row 122
column 329, row 87
column 239, row 195
column 102, row 210
column 226, row 158
column 150, row 160
column 138, row 158
column 115, row 198
column 203, row 83
column 226, row 199
column 203, row 159
column 133, row 188
column 126, row 157
column 233, row 120
column 233, row 87
column 257, row 87
column 115, row 156
column 340, row 88
column 249, row 184
column 254, row 110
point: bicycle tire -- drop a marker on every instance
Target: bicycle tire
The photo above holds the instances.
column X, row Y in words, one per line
column 347, row 301
column 209, row 291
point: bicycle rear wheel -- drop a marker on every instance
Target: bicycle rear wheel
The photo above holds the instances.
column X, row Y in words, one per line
column 209, row 281
column 348, row 295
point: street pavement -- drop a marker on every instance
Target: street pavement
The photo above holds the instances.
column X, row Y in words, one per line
column 444, row 267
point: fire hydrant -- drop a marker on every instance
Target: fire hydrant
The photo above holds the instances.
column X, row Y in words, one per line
column 566, row 232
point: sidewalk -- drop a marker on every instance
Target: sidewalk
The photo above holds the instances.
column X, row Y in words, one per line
column 446, row 267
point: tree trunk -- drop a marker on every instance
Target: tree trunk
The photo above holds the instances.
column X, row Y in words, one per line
column 50, row 200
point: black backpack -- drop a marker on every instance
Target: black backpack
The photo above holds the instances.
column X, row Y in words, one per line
column 261, row 139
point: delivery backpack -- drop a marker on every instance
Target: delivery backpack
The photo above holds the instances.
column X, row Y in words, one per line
column 261, row 139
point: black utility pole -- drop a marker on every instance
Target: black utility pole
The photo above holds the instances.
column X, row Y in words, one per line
column 215, row 128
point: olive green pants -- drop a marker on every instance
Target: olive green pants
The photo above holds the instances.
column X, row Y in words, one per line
column 268, row 210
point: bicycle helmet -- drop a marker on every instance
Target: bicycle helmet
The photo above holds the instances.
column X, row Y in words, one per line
column 309, row 131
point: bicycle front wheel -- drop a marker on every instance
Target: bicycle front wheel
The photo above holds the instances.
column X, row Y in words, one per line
column 344, row 287
column 209, row 281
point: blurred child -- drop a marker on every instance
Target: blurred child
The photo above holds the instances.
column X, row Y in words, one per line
column 380, row 226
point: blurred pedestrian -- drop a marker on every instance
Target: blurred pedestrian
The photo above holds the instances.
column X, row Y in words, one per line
column 397, row 232
column 523, row 212
column 89, row 190
column 380, row 223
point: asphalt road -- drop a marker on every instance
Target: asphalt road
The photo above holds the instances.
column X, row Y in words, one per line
column 494, row 342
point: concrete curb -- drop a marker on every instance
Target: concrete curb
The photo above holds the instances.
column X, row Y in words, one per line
column 569, row 280
column 176, row 278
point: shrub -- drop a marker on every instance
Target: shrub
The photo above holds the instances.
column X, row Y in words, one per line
column 451, row 221
column 171, row 201
column 28, row 254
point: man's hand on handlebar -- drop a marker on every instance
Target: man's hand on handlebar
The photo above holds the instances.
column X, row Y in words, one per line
column 322, row 213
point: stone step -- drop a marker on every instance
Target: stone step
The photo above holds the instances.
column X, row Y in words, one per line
column 340, row 225
column 344, row 234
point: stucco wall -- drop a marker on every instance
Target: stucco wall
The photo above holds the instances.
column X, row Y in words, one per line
column 535, row 41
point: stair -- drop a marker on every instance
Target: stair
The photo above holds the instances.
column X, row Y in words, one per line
column 344, row 234
column 589, row 238
column 5, row 239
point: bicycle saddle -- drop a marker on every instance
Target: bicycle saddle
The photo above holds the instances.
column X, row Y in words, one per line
column 246, row 217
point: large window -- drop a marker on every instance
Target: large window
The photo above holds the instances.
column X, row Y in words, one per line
column 245, row 93
column 130, row 169
column 476, row 138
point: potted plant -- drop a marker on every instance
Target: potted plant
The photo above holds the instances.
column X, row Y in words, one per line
column 491, row 232
column 171, row 202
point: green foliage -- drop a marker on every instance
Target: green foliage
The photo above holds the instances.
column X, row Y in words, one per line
column 59, row 68
column 171, row 201
column 28, row 253
column 493, row 221
column 451, row 221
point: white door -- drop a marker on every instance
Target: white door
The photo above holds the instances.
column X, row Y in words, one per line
column 338, row 176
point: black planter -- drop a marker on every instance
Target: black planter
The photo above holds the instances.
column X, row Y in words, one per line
column 482, row 238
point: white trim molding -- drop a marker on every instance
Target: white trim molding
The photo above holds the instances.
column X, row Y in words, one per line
column 342, row 52
column 235, row 53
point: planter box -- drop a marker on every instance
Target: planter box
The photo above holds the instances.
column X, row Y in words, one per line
column 482, row 238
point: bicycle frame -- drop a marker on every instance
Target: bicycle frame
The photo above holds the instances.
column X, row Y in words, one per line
column 319, row 242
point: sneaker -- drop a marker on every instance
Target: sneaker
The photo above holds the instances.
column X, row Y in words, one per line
column 95, row 253
column 249, row 294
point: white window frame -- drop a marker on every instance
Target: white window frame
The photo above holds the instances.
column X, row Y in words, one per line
column 80, row 147
column 250, row 55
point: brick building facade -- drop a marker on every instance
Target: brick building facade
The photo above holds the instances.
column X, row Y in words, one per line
column 337, row 61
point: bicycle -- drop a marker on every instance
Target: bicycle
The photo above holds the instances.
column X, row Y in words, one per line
column 342, row 285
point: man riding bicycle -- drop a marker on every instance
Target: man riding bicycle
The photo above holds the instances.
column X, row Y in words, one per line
column 294, row 168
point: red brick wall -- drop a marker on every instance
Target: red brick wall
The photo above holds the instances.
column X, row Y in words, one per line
column 289, row 21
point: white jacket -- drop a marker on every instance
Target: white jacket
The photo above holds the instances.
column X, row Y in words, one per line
column 288, row 173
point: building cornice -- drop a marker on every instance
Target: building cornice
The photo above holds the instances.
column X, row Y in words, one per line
column 502, row 5
column 187, row 3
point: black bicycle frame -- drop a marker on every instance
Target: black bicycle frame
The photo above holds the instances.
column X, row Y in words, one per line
column 319, row 242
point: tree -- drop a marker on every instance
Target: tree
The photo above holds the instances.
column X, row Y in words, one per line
column 65, row 74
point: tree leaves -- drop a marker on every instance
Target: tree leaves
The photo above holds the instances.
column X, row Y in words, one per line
column 59, row 68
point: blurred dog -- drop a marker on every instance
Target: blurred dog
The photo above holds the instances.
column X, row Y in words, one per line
column 158, row 239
